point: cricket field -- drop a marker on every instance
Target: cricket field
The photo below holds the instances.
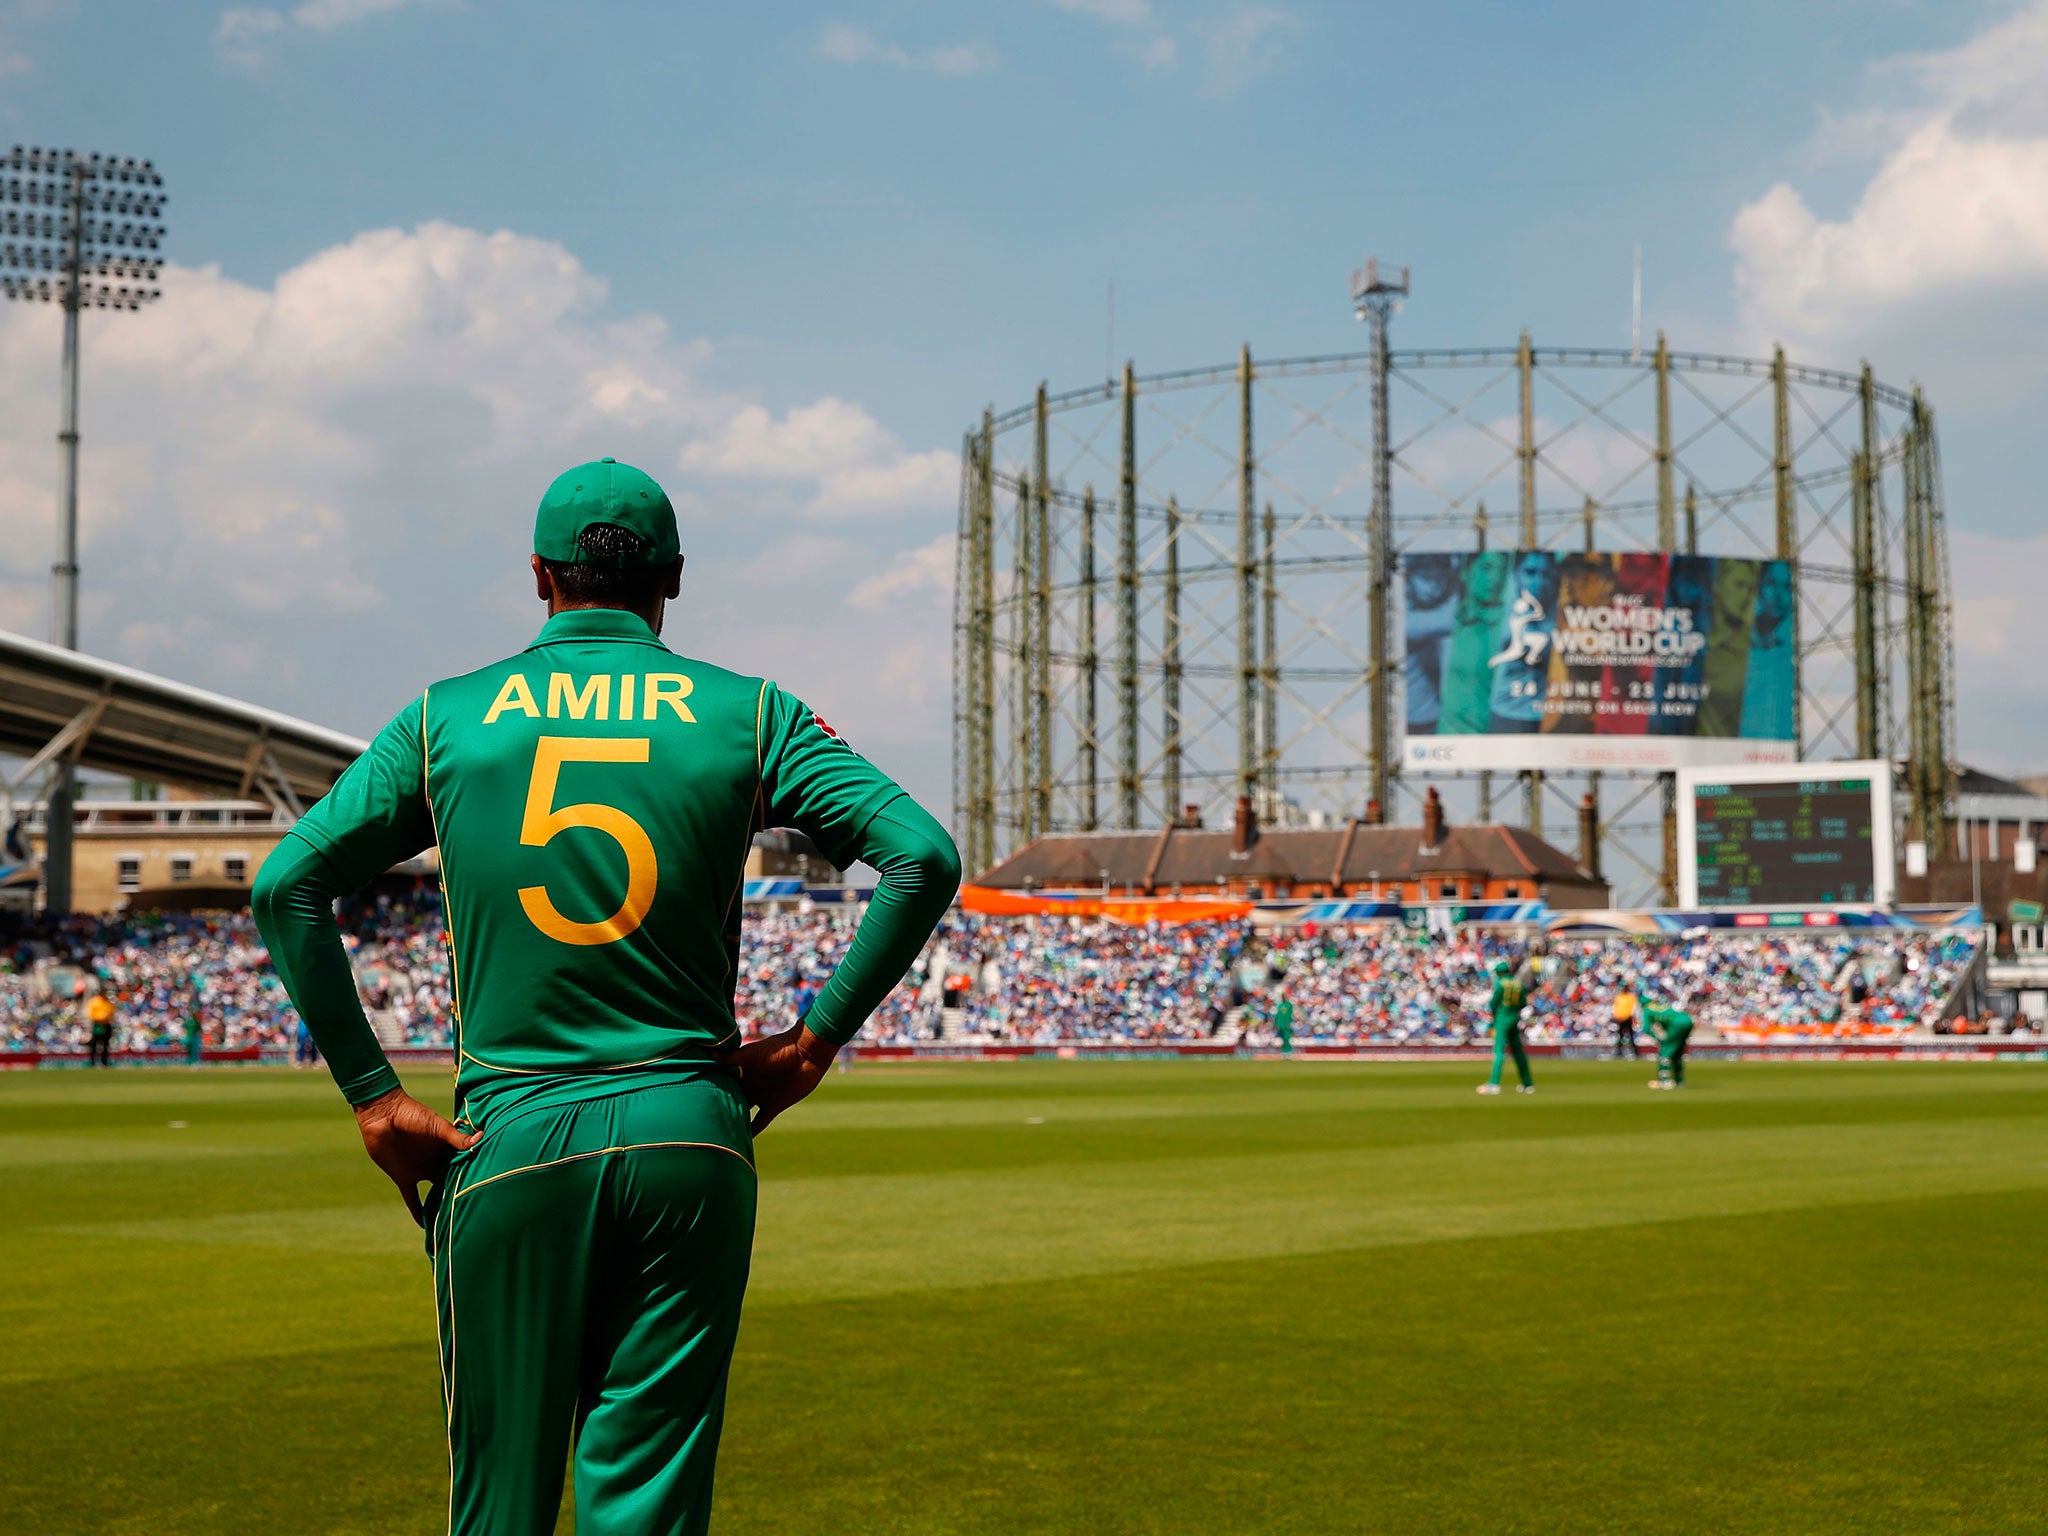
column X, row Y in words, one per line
column 1199, row 1297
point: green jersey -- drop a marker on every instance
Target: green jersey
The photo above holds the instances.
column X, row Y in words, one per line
column 594, row 799
column 1510, row 996
column 1666, row 1021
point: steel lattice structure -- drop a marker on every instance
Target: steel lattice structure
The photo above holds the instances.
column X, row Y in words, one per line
column 1179, row 588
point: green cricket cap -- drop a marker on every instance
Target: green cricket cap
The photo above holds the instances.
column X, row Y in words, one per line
column 606, row 492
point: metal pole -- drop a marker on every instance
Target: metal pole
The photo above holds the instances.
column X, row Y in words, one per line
column 1788, row 519
column 1525, row 364
column 1692, row 518
column 1667, row 545
column 1382, row 542
column 1170, row 666
column 1942, row 619
column 1479, row 532
column 1916, row 720
column 984, row 665
column 1667, row 883
column 1590, row 515
column 1667, row 526
column 986, row 615
column 1023, row 750
column 964, row 704
column 1127, row 610
column 1247, row 594
column 1041, row 627
column 1932, row 658
column 1863, row 487
column 1269, row 675
column 1091, row 665
column 57, row 803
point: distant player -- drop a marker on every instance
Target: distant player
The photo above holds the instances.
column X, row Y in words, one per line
column 1671, row 1028
column 99, row 1013
column 1283, row 1023
column 1510, row 996
column 1625, row 1004
column 591, row 1215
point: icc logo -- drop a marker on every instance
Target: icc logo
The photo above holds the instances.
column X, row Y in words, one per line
column 1524, row 645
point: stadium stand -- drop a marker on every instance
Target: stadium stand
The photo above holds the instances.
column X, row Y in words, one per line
column 1034, row 980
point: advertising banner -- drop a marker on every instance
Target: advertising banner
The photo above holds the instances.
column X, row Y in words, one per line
column 1553, row 659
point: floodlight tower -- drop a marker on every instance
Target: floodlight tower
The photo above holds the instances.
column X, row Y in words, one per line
column 81, row 231
column 1374, row 298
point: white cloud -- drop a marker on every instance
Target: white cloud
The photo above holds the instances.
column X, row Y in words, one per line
column 318, row 494
column 1118, row 13
column 1242, row 44
column 926, row 569
column 1153, row 48
column 1159, row 53
column 331, row 15
column 843, row 44
column 856, row 465
column 245, row 35
column 1945, row 248
column 241, row 34
column 1944, row 211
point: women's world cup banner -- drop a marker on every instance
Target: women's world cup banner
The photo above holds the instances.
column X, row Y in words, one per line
column 1545, row 659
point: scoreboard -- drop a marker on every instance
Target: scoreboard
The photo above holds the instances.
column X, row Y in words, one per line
column 1805, row 835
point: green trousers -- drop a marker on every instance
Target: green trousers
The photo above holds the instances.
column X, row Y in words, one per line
column 589, row 1262
column 1671, row 1055
column 1508, row 1037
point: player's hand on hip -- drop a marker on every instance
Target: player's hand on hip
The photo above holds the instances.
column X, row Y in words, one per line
column 411, row 1143
column 778, row 1070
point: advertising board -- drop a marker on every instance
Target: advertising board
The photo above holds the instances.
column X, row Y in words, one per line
column 1552, row 659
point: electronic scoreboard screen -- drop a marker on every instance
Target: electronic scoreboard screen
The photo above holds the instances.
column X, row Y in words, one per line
column 1795, row 842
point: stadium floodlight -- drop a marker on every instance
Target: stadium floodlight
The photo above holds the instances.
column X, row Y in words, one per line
column 84, row 232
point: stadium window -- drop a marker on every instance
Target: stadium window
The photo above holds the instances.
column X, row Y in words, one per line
column 1511, row 890
column 181, row 866
column 128, row 873
column 235, row 867
column 1447, row 888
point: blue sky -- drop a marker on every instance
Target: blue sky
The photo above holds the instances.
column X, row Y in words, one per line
column 785, row 253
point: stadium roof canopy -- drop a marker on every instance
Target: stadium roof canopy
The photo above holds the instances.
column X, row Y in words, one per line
column 1342, row 858
column 60, row 705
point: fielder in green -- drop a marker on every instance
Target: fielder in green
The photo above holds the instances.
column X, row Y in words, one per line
column 1511, row 989
column 590, row 1212
column 1283, row 1023
column 1671, row 1028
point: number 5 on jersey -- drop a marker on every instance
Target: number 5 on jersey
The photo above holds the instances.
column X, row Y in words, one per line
column 543, row 820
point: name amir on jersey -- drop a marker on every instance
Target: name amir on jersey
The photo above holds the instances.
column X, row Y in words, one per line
column 593, row 699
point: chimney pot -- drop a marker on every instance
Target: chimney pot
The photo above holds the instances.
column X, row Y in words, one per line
column 1433, row 823
column 1245, row 830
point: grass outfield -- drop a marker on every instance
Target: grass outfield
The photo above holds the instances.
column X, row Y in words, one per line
column 1194, row 1297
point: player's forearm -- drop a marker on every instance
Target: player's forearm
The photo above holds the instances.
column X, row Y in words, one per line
column 920, row 871
column 294, row 904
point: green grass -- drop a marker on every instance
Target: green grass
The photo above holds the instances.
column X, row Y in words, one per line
column 1195, row 1297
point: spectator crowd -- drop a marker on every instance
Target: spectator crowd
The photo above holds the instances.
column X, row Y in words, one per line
column 1040, row 980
